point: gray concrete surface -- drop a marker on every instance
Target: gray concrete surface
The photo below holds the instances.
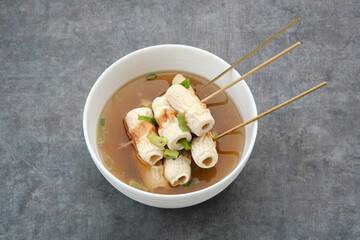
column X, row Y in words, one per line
column 302, row 180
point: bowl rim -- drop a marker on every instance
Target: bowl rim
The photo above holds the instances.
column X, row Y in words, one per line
column 159, row 196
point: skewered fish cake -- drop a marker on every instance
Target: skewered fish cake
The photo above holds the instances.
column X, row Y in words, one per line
column 198, row 117
column 205, row 154
column 178, row 171
column 154, row 177
column 178, row 79
column 203, row 151
column 139, row 131
column 168, row 124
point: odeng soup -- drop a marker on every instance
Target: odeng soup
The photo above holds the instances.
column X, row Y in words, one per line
column 125, row 163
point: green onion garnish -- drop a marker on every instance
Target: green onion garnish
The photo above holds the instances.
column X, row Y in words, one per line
column 115, row 96
column 180, row 151
column 187, row 184
column 107, row 162
column 214, row 134
column 137, row 185
column 101, row 132
column 102, row 122
column 186, row 83
column 185, row 143
column 151, row 120
column 171, row 154
column 160, row 142
column 151, row 76
column 101, row 136
column 193, row 181
column 182, row 122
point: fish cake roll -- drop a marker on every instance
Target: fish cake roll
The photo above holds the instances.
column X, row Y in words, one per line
column 203, row 151
column 169, row 128
column 179, row 78
column 178, row 171
column 180, row 98
column 154, row 178
column 199, row 120
column 198, row 117
column 139, row 131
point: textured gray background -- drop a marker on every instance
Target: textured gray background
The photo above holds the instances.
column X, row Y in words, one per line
column 302, row 180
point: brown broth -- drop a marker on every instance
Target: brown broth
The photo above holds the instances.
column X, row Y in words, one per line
column 125, row 164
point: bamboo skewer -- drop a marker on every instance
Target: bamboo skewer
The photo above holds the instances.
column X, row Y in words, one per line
column 251, row 72
column 249, row 54
column 269, row 111
column 255, row 118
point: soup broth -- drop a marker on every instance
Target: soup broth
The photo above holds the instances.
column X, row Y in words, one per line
column 126, row 165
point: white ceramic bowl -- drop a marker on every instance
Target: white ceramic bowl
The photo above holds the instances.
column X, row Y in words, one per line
column 160, row 58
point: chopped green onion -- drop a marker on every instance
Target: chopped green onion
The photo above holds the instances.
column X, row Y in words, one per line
column 160, row 142
column 180, row 151
column 187, row 184
column 182, row 122
column 214, row 134
column 101, row 136
column 115, row 96
column 107, row 162
column 101, row 132
column 171, row 154
column 151, row 120
column 151, row 76
column 193, row 181
column 185, row 143
column 137, row 185
column 186, row 83
column 102, row 122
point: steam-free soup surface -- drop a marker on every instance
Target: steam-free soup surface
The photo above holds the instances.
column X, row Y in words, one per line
column 125, row 164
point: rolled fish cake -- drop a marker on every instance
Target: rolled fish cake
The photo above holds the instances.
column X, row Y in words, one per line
column 178, row 79
column 154, row 177
column 139, row 131
column 203, row 151
column 168, row 124
column 178, row 171
column 198, row 117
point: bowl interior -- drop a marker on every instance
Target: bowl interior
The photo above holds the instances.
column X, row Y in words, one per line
column 162, row 58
